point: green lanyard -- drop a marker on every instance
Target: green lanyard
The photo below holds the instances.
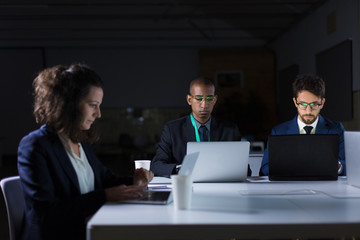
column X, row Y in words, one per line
column 196, row 130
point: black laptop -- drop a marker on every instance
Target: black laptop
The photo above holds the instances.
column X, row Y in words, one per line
column 303, row 157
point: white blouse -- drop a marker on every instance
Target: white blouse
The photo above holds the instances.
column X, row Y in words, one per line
column 81, row 166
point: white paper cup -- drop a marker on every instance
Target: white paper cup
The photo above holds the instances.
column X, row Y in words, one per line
column 182, row 191
column 142, row 164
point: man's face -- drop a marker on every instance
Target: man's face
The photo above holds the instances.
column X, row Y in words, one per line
column 202, row 100
column 308, row 106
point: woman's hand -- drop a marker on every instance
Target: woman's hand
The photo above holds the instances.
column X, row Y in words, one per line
column 142, row 177
column 123, row 192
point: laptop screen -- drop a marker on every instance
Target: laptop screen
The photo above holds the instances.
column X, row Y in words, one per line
column 303, row 157
column 220, row 161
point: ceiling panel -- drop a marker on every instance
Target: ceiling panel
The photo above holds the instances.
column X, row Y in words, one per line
column 163, row 22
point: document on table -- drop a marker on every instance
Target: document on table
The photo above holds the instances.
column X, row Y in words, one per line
column 160, row 180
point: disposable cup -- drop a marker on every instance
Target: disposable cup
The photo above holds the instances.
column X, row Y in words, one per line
column 142, row 164
column 182, row 191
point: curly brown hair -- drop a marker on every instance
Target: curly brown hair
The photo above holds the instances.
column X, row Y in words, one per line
column 58, row 92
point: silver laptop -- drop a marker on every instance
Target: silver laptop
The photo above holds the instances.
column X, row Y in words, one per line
column 188, row 164
column 220, row 161
column 352, row 157
column 162, row 196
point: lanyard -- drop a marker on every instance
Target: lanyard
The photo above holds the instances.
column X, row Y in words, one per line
column 196, row 130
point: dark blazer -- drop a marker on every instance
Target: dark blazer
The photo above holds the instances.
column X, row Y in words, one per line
column 324, row 126
column 172, row 146
column 54, row 206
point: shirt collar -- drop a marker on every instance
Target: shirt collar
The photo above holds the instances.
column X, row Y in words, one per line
column 65, row 141
column 302, row 125
column 207, row 124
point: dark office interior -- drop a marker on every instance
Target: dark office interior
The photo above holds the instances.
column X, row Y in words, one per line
column 147, row 52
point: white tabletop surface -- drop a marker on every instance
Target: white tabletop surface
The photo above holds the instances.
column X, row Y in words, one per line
column 256, row 209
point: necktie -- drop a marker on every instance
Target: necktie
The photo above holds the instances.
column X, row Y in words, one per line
column 203, row 133
column 308, row 129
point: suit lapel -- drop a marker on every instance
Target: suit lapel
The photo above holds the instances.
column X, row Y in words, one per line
column 64, row 161
column 322, row 127
column 293, row 127
column 188, row 130
column 214, row 130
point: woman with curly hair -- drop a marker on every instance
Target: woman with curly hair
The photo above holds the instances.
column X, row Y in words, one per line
column 63, row 181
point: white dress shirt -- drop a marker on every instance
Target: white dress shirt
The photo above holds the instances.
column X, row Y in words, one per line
column 302, row 125
column 81, row 166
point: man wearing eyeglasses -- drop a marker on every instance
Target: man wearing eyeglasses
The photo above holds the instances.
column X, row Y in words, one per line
column 309, row 99
column 199, row 125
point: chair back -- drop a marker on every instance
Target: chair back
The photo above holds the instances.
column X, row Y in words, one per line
column 14, row 201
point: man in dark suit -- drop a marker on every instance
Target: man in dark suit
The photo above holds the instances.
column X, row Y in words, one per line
column 309, row 99
column 199, row 125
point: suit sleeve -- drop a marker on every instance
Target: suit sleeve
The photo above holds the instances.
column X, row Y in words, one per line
column 162, row 164
column 264, row 169
column 342, row 148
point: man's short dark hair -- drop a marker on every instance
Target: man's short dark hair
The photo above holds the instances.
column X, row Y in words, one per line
column 311, row 83
column 201, row 81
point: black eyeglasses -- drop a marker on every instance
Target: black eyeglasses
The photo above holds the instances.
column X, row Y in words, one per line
column 304, row 105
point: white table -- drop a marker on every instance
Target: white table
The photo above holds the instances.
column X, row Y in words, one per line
column 257, row 209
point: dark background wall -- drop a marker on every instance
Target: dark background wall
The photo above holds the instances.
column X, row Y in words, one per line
column 152, row 73
column 145, row 78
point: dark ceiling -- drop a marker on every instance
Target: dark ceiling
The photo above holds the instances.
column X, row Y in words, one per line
column 145, row 22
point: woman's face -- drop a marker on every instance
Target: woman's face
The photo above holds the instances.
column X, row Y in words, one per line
column 90, row 107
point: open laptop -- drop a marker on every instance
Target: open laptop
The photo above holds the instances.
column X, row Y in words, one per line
column 352, row 156
column 220, row 161
column 303, row 157
column 164, row 196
